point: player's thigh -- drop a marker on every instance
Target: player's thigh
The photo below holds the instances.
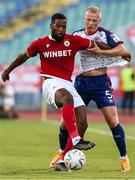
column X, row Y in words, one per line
column 76, row 97
column 111, row 115
column 49, row 88
column 62, row 97
column 70, row 91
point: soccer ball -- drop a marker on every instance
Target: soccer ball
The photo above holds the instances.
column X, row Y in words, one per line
column 74, row 159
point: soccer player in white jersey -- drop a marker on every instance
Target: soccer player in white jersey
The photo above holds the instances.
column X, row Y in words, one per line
column 93, row 82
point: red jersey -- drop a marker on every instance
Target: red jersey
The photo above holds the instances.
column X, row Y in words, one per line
column 57, row 58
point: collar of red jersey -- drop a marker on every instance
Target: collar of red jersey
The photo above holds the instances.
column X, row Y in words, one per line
column 50, row 37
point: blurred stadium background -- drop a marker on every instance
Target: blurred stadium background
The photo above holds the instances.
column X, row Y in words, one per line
column 28, row 146
column 22, row 21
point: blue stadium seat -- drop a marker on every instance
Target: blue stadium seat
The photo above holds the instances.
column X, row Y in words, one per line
column 10, row 9
column 114, row 18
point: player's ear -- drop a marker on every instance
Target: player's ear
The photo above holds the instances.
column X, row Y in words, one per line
column 100, row 20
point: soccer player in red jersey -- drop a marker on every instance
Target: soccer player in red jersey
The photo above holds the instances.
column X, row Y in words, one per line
column 57, row 55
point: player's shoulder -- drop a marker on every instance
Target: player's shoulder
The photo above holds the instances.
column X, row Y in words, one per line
column 41, row 40
column 110, row 34
column 102, row 29
column 44, row 38
column 78, row 32
column 69, row 36
column 73, row 38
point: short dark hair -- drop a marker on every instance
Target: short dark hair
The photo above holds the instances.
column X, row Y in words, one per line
column 58, row 16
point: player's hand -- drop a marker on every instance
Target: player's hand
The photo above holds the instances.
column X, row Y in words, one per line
column 95, row 49
column 5, row 76
column 127, row 57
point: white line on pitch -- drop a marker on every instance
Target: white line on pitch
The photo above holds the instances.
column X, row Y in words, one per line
column 94, row 130
column 103, row 132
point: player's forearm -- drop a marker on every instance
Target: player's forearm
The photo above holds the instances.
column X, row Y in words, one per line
column 17, row 62
column 102, row 46
column 117, row 51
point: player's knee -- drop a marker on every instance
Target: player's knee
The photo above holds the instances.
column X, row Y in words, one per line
column 67, row 98
column 62, row 97
column 113, row 121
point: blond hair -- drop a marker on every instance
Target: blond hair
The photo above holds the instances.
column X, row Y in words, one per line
column 94, row 9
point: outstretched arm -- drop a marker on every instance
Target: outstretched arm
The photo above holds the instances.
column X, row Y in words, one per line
column 17, row 62
column 101, row 45
column 103, row 49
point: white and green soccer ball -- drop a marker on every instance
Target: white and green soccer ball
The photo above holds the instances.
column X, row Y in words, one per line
column 74, row 159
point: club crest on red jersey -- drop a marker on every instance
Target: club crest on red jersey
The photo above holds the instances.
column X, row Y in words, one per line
column 47, row 45
column 66, row 43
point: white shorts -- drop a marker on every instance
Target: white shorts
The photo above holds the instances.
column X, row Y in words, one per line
column 50, row 86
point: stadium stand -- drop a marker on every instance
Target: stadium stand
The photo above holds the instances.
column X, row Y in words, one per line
column 11, row 9
column 22, row 21
column 27, row 20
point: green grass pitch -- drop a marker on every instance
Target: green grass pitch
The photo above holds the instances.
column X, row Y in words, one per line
column 26, row 148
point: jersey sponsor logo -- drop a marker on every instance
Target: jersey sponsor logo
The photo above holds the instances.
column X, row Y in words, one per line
column 110, row 101
column 52, row 54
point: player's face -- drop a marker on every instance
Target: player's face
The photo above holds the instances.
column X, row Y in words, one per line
column 58, row 29
column 91, row 21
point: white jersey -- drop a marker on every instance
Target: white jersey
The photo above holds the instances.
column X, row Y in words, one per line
column 89, row 61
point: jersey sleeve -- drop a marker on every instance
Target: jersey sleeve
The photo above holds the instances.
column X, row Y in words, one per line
column 82, row 43
column 32, row 49
column 113, row 40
